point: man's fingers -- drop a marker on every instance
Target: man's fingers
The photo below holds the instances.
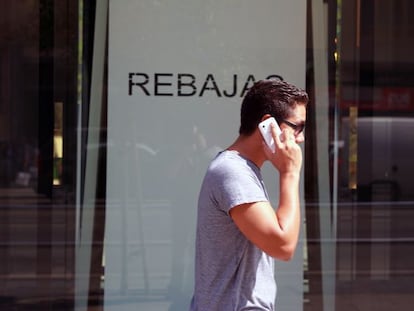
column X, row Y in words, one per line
column 276, row 135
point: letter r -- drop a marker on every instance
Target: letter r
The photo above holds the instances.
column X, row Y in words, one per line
column 144, row 80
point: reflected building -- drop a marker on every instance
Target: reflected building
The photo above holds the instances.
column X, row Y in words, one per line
column 57, row 163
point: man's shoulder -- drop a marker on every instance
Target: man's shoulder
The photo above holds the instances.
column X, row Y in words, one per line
column 229, row 159
column 227, row 164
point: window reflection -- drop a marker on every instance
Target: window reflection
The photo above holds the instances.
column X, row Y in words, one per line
column 359, row 202
column 371, row 112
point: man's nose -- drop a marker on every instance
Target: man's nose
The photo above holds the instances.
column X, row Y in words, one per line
column 300, row 138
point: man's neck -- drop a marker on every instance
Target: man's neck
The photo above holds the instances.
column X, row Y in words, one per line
column 250, row 147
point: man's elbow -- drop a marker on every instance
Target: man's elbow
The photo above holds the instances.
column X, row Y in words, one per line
column 287, row 253
column 284, row 253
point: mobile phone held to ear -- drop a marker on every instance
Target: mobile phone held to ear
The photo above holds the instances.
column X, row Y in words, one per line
column 266, row 130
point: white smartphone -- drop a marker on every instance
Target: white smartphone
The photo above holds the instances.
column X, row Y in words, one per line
column 266, row 131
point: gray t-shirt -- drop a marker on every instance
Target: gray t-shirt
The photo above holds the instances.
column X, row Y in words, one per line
column 231, row 273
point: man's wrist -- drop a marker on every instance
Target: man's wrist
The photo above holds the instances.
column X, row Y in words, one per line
column 290, row 175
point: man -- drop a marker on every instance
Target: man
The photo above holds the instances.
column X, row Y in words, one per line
column 238, row 231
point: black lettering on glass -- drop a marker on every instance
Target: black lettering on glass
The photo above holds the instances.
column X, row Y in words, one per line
column 210, row 78
column 275, row 77
column 183, row 84
column 234, row 88
column 144, row 80
column 250, row 80
column 158, row 84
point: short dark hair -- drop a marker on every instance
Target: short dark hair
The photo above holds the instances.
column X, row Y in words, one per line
column 275, row 97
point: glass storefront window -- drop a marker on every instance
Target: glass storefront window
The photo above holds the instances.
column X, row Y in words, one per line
column 70, row 240
column 38, row 169
column 370, row 113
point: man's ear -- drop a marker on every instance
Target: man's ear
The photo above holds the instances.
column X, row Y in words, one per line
column 266, row 116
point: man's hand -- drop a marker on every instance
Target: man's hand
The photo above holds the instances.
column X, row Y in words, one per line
column 287, row 157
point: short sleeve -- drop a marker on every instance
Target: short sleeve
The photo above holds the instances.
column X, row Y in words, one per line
column 237, row 184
